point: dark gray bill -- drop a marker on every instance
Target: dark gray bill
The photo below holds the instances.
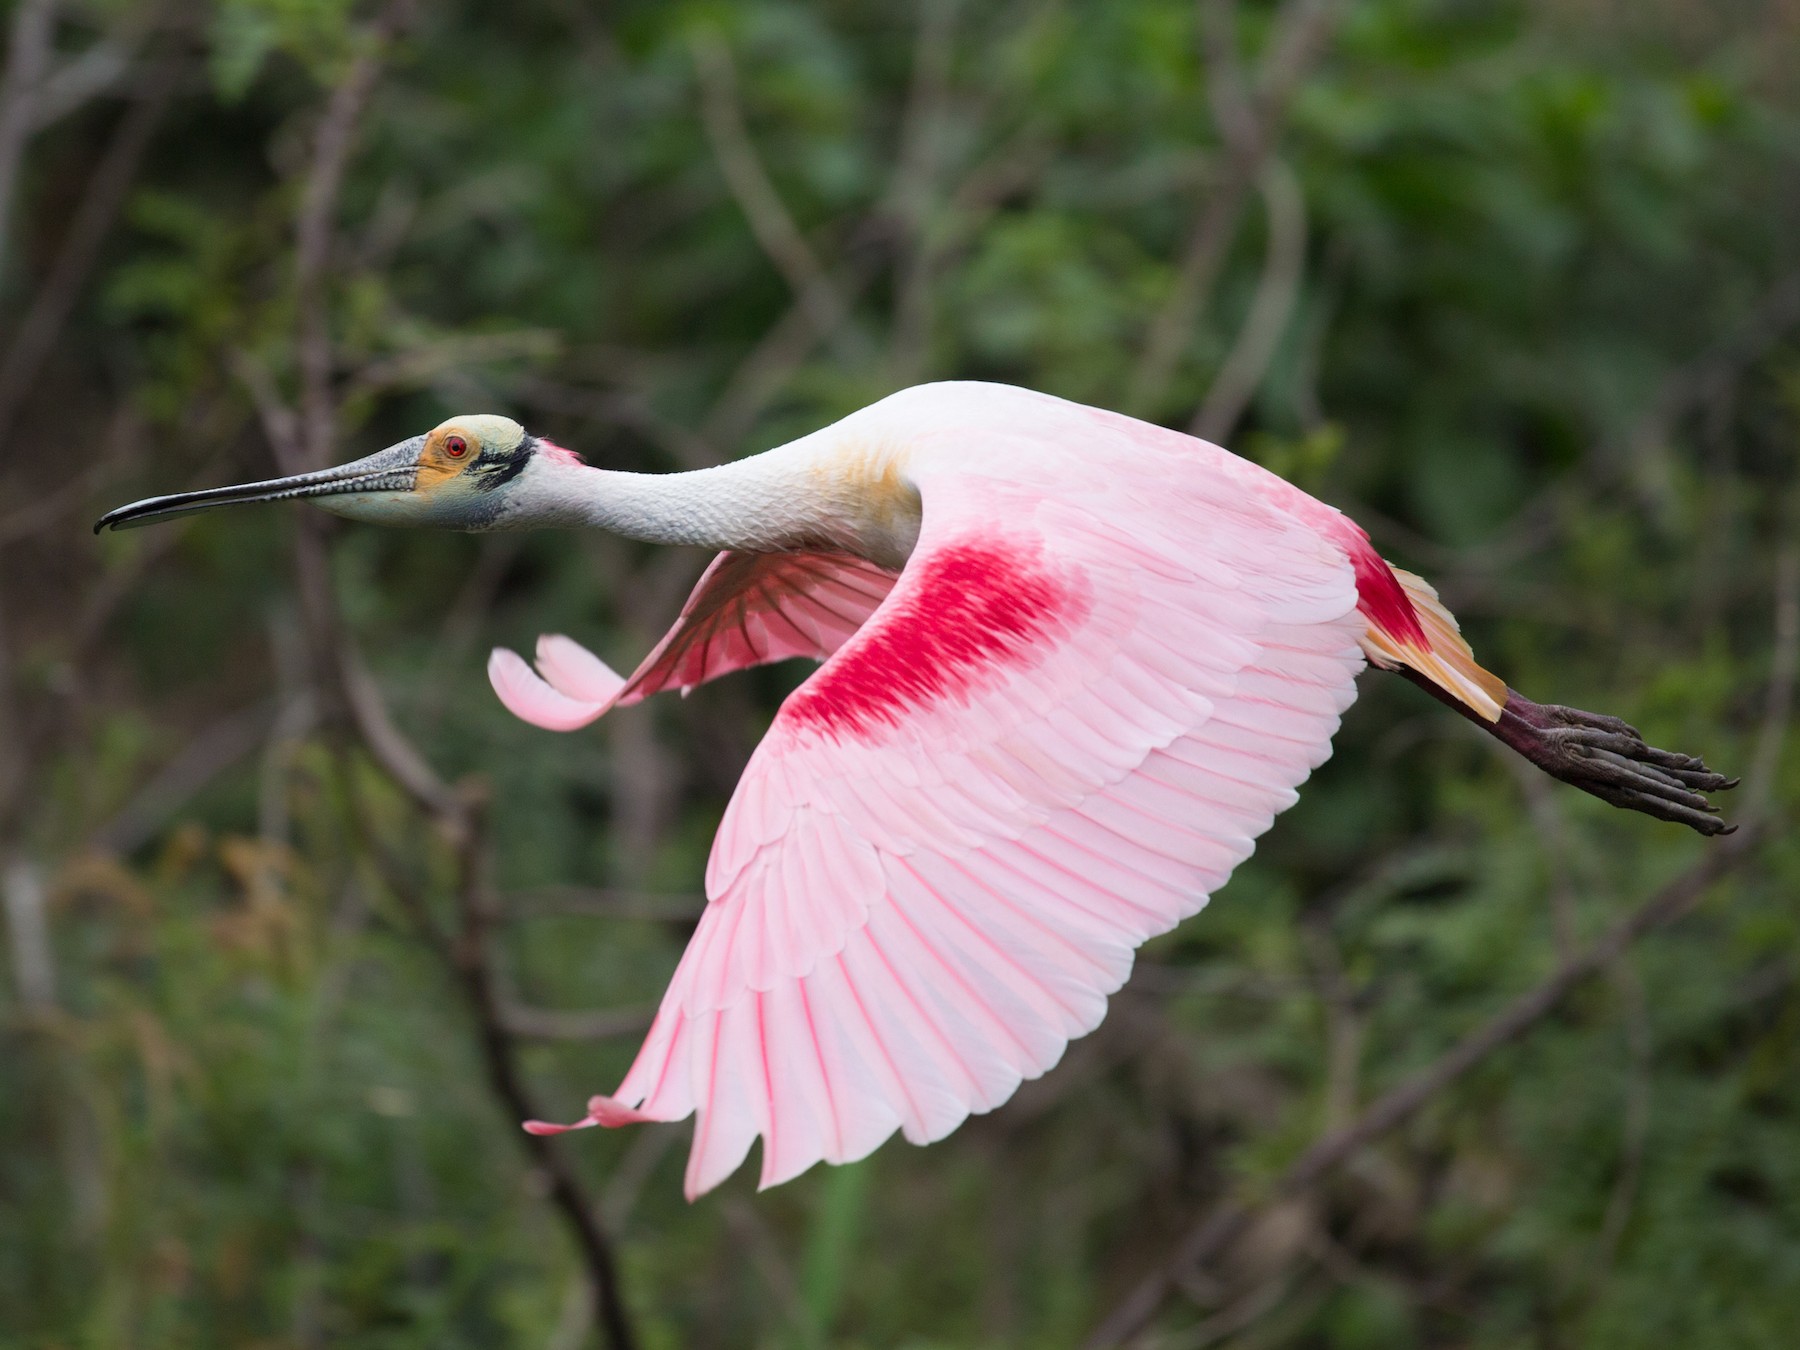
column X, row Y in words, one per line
column 390, row 470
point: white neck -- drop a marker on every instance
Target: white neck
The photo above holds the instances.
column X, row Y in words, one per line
column 740, row 506
column 780, row 500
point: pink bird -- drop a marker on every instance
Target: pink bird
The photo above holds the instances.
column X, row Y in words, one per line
column 1073, row 664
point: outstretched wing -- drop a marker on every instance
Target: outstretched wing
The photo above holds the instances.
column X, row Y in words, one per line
column 1093, row 686
column 746, row 610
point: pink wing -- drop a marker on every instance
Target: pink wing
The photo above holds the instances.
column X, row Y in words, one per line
column 1095, row 684
column 747, row 609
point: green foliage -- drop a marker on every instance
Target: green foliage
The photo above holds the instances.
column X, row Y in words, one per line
column 1539, row 348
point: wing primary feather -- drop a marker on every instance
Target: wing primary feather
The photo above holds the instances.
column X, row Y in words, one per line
column 912, row 1118
column 1025, row 916
column 1027, row 980
column 925, row 1019
column 818, row 1048
column 971, row 1001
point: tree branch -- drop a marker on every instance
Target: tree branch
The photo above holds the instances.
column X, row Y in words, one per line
column 21, row 88
column 910, row 193
column 87, row 76
column 1270, row 308
column 307, row 439
column 50, row 308
column 1251, row 132
column 498, row 1052
column 1209, row 1238
column 1214, row 1233
column 559, row 1024
column 825, row 308
column 315, row 228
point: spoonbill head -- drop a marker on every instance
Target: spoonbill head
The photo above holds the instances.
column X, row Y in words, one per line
column 464, row 474
column 1073, row 665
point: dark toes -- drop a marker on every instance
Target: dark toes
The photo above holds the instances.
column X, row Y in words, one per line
column 1607, row 756
column 1576, row 717
column 1626, row 776
column 1663, row 809
column 1633, row 747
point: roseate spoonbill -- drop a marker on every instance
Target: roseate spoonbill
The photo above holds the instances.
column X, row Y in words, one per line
column 1073, row 665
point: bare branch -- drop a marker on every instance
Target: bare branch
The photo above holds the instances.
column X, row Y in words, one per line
column 478, row 915
column 83, row 78
column 21, row 87
column 775, row 357
column 557, row 1024
column 203, row 758
column 826, row 309
column 460, row 814
column 28, row 935
column 396, row 755
column 1233, row 105
column 112, row 179
column 316, row 226
column 281, row 428
column 1270, row 309
column 1251, row 136
column 769, row 364
column 787, row 343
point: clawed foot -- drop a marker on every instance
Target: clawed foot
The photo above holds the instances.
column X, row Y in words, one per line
column 1608, row 758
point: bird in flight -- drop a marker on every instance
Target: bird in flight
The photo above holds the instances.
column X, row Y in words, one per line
column 1072, row 665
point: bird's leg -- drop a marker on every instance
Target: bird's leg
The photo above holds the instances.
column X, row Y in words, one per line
column 1603, row 756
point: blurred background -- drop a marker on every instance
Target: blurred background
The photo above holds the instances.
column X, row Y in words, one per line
column 299, row 923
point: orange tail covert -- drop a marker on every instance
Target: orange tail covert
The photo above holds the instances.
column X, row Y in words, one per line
column 1410, row 628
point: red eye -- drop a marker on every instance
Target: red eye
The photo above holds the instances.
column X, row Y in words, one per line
column 455, row 447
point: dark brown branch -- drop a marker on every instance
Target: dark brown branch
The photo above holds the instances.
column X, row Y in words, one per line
column 307, row 439
column 316, row 227
column 112, row 179
column 28, row 49
column 500, row 1056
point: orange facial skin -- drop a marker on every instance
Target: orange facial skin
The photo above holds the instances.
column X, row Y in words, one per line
column 448, row 451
